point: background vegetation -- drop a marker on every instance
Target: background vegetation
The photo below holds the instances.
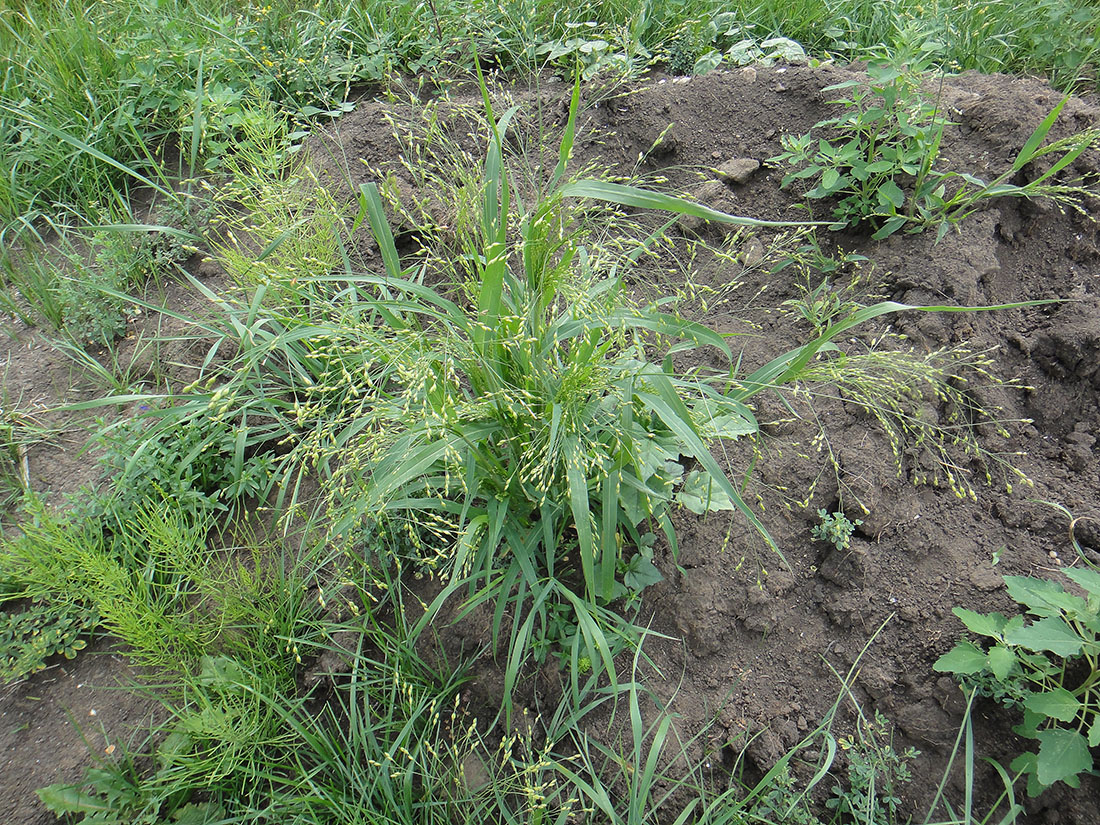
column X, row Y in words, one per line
column 120, row 79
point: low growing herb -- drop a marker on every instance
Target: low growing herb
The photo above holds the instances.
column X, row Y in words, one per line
column 1045, row 664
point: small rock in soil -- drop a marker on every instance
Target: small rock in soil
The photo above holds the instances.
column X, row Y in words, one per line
column 848, row 610
column 207, row 268
column 696, row 617
column 753, row 253
column 714, row 194
column 738, row 170
column 985, row 578
column 950, row 696
column 845, row 568
column 474, row 774
column 333, row 661
column 926, row 722
column 909, row 613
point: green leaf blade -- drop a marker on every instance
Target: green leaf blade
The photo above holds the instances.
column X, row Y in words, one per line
column 1063, row 754
column 964, row 659
column 1088, row 579
column 984, row 624
column 1042, row 597
column 1050, row 634
column 1057, row 703
column 644, row 199
column 1000, row 661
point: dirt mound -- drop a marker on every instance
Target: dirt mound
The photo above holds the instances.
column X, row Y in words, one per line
column 765, row 646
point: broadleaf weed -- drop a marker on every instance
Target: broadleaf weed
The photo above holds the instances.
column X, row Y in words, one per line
column 879, row 162
column 1045, row 665
column 835, row 529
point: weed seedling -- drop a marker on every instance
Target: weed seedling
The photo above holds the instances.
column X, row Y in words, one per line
column 835, row 529
column 880, row 162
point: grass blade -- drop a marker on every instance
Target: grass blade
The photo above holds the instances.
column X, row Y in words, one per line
column 566, row 148
column 644, row 199
column 1037, row 137
column 670, row 408
column 608, row 534
column 582, row 516
column 77, row 143
column 371, row 202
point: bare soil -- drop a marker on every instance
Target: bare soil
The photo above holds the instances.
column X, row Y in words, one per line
column 755, row 647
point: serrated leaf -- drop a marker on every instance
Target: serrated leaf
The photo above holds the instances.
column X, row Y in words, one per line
column 1026, row 763
column 1029, row 728
column 984, row 624
column 176, row 744
column 701, row 495
column 1000, row 661
column 1057, row 703
column 1050, row 634
column 964, row 658
column 1039, row 662
column 641, row 573
column 1088, row 579
column 1094, row 732
column 65, row 799
column 652, row 456
column 1062, row 755
column 1014, row 623
column 1042, row 597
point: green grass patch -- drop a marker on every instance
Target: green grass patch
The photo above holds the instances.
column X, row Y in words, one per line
column 130, row 81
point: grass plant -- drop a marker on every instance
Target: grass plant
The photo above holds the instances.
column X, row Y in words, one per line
column 501, row 404
column 31, row 290
column 478, row 388
column 923, row 405
column 20, row 429
column 78, row 286
column 396, row 744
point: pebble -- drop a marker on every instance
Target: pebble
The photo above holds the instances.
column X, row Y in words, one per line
column 738, row 170
column 753, row 253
